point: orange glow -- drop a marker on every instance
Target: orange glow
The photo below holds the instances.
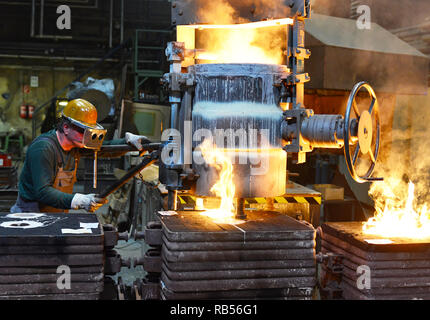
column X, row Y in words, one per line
column 254, row 42
column 224, row 188
column 242, row 26
column 238, row 46
column 396, row 217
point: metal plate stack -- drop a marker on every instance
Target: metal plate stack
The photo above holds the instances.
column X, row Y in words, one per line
column 396, row 268
column 270, row 256
column 38, row 249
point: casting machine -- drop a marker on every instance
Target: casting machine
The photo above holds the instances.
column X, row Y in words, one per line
column 231, row 102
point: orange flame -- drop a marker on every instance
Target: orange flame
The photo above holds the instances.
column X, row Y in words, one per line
column 397, row 218
column 224, row 188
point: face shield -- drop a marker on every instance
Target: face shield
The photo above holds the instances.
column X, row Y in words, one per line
column 92, row 137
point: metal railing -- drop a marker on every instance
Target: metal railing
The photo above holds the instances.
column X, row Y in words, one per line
column 152, row 66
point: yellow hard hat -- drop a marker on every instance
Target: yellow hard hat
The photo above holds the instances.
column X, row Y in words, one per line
column 81, row 113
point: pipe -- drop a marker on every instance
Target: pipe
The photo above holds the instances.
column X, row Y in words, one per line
column 36, row 68
column 240, row 212
column 122, row 20
column 45, row 36
column 33, row 13
column 110, row 23
column 174, row 116
column 121, row 118
column 42, row 5
column 18, row 56
column 11, row 3
column 172, row 200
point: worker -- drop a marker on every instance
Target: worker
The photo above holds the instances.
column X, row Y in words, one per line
column 49, row 171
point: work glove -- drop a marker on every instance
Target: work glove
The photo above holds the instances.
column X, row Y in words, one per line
column 136, row 140
column 88, row 202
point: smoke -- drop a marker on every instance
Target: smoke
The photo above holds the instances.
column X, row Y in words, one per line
column 216, row 12
column 405, row 161
column 262, row 9
column 340, row 9
column 240, row 11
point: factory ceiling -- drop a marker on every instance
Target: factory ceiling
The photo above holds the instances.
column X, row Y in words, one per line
column 29, row 29
column 342, row 55
column 339, row 32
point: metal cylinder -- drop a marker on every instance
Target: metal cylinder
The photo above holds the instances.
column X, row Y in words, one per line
column 240, row 209
column 236, row 107
column 172, row 200
column 323, row 131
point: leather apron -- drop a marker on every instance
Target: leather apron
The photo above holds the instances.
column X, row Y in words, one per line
column 64, row 182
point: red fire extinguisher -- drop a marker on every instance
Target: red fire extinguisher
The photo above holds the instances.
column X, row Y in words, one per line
column 30, row 111
column 26, row 111
column 23, row 111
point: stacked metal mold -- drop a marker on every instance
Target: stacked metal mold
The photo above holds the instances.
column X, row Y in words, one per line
column 148, row 288
column 269, row 256
column 375, row 268
column 54, row 256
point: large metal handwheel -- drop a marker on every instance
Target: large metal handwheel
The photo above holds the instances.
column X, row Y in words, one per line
column 361, row 133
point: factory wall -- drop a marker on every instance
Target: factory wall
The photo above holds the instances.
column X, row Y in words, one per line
column 397, row 14
column 16, row 81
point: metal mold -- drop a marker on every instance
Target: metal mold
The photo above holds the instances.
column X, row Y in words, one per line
column 270, row 255
column 398, row 270
column 190, row 226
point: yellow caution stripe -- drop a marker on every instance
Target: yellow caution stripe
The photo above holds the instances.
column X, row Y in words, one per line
column 287, row 199
column 191, row 200
column 187, row 199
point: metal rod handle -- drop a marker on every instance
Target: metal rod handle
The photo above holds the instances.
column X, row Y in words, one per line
column 147, row 160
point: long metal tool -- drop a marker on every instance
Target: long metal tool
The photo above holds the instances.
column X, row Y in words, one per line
column 147, row 160
column 113, row 151
column 95, row 171
column 118, row 150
